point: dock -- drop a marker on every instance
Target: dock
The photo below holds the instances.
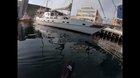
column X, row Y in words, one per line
column 78, row 28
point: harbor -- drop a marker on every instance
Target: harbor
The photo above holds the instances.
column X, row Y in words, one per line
column 51, row 38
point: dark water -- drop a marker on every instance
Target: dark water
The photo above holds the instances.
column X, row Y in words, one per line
column 42, row 54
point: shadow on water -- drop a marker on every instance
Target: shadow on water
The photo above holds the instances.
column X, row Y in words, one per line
column 110, row 69
column 43, row 53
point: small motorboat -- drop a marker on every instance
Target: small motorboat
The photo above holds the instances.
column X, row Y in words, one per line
column 67, row 69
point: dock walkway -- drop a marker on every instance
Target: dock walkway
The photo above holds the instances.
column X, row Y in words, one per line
column 77, row 28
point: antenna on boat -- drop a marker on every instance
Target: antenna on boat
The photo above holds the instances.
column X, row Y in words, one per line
column 71, row 7
column 47, row 4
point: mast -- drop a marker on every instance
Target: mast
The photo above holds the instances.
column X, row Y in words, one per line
column 66, row 8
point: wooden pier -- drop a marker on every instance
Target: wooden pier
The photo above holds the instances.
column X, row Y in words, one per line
column 78, row 28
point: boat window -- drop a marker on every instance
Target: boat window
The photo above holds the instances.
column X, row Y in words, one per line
column 55, row 17
column 52, row 14
column 66, row 17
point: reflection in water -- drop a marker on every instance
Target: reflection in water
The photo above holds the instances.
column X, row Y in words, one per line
column 43, row 55
column 25, row 30
column 21, row 32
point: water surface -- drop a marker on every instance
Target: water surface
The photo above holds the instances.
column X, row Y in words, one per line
column 41, row 54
